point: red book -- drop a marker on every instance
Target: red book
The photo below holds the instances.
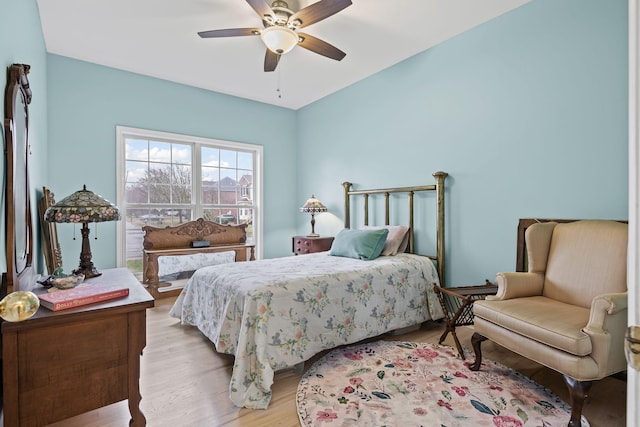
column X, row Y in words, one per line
column 82, row 295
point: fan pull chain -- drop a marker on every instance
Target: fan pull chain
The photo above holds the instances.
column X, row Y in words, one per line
column 96, row 227
column 74, row 231
column 278, row 91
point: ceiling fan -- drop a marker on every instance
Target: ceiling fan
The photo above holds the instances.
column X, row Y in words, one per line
column 280, row 33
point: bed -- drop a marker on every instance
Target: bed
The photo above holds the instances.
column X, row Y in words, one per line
column 273, row 314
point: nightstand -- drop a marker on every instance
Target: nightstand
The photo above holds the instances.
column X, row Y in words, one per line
column 307, row 245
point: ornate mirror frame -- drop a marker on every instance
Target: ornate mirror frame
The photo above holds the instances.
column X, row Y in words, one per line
column 50, row 243
column 19, row 228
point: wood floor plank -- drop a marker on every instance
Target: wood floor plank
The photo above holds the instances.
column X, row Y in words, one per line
column 184, row 382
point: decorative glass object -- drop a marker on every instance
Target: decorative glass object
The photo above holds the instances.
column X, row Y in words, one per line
column 19, row 306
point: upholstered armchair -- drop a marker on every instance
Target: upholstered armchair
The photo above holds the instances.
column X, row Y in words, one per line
column 569, row 310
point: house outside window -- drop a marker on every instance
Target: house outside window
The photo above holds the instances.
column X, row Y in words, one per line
column 169, row 179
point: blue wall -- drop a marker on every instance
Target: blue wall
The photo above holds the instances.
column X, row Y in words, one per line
column 527, row 113
column 21, row 42
column 88, row 101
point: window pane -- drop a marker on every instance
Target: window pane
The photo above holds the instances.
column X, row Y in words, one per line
column 181, row 154
column 175, row 216
column 159, row 193
column 228, row 159
column 210, row 174
column 228, row 176
column 245, row 215
column 159, row 151
column 210, row 156
column 150, row 217
column 135, row 193
column 245, row 184
column 135, row 187
column 158, row 173
column 228, row 187
column 222, row 216
column 245, row 160
column 209, row 194
column 181, row 175
column 181, row 194
column 135, row 171
column 136, row 149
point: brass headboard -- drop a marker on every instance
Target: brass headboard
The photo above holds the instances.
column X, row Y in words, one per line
column 438, row 187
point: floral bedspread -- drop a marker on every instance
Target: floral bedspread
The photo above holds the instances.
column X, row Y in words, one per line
column 275, row 313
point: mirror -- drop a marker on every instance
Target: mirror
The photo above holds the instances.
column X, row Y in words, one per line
column 19, row 231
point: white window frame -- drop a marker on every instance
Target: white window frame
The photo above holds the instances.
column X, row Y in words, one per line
column 633, row 267
column 122, row 132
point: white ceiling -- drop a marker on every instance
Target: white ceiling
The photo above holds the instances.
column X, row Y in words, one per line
column 158, row 38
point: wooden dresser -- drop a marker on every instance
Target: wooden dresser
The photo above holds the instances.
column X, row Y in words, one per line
column 60, row 364
column 308, row 245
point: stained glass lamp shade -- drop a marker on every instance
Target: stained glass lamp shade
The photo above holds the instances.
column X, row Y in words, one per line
column 83, row 206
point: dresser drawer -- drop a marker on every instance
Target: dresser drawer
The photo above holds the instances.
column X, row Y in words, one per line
column 306, row 245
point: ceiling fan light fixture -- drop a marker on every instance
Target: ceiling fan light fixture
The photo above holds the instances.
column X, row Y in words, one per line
column 279, row 39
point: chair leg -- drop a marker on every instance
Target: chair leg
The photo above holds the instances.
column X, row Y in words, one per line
column 476, row 340
column 578, row 391
column 458, row 345
column 444, row 334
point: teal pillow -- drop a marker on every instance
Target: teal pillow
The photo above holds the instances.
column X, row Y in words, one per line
column 359, row 244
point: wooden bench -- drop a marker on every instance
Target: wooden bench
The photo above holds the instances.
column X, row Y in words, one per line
column 178, row 240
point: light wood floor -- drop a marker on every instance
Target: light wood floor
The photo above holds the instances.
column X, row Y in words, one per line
column 184, row 382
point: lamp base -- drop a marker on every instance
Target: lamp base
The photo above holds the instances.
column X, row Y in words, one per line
column 88, row 272
column 86, row 265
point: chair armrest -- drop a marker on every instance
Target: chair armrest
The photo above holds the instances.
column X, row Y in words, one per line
column 602, row 307
column 517, row 285
column 606, row 328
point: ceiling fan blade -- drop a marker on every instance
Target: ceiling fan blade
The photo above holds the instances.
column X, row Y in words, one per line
column 271, row 60
column 262, row 8
column 230, row 32
column 321, row 47
column 318, row 11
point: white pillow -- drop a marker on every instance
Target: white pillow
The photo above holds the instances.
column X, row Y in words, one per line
column 397, row 239
column 405, row 242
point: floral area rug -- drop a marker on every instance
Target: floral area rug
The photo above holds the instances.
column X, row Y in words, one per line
column 414, row 384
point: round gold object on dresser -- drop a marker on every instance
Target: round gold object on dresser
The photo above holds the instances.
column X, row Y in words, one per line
column 18, row 306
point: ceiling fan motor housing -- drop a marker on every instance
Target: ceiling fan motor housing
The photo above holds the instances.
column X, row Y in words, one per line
column 281, row 12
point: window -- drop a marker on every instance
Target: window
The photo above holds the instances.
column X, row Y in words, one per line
column 168, row 179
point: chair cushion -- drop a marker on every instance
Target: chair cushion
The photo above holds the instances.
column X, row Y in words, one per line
column 547, row 321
